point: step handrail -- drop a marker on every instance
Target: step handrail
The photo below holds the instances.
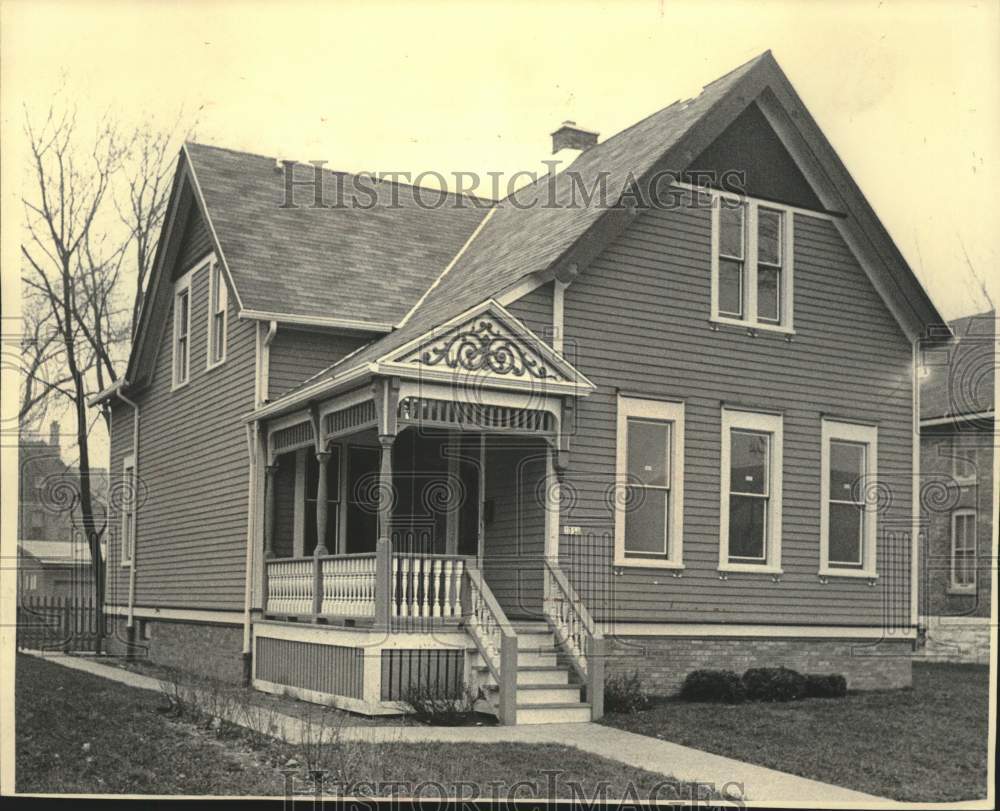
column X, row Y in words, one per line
column 494, row 637
column 576, row 633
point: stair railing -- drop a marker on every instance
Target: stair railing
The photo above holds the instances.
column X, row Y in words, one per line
column 576, row 633
column 494, row 637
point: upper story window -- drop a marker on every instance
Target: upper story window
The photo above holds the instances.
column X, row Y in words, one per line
column 751, row 263
column 964, row 464
column 848, row 514
column 649, row 503
column 750, row 507
column 182, row 331
column 218, row 299
column 963, row 550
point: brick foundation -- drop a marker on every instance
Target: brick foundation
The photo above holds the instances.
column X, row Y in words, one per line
column 206, row 649
column 663, row 662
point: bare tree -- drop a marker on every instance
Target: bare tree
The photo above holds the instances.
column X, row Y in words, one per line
column 69, row 276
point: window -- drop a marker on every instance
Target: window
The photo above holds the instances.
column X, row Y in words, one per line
column 751, row 263
column 963, row 550
column 218, row 298
column 649, row 502
column 964, row 464
column 848, row 482
column 128, row 510
column 182, row 331
column 31, row 582
column 750, row 507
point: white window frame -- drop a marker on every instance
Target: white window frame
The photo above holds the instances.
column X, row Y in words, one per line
column 957, row 447
column 659, row 411
column 182, row 287
column 773, row 424
column 832, row 430
column 128, row 511
column 786, row 249
column 217, row 285
column 953, row 586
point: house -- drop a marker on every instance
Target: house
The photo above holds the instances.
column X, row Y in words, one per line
column 957, row 447
column 516, row 447
column 49, row 490
column 48, row 569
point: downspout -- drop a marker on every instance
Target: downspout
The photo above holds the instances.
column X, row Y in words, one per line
column 915, row 575
column 130, row 622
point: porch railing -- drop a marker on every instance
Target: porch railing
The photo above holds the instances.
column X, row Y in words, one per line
column 494, row 637
column 427, row 586
column 576, row 633
column 328, row 586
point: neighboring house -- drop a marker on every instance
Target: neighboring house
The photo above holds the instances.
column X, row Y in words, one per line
column 534, row 443
column 957, row 445
column 48, row 569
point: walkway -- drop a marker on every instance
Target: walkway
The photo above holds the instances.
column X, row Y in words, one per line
column 760, row 785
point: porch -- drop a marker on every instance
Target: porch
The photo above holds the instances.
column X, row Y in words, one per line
column 409, row 523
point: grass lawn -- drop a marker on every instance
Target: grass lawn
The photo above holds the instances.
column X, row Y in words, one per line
column 925, row 744
column 78, row 733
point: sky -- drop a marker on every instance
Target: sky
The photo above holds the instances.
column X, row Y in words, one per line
column 907, row 92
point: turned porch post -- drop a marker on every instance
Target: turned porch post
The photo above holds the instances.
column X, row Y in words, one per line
column 383, row 547
column 322, row 503
column 269, row 479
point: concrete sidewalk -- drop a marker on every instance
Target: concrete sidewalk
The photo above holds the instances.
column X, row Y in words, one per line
column 760, row 785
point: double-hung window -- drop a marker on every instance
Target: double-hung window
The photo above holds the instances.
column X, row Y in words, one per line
column 751, row 263
column 182, row 331
column 963, row 550
column 649, row 500
column 750, row 507
column 964, row 461
column 217, row 303
column 848, row 505
column 128, row 510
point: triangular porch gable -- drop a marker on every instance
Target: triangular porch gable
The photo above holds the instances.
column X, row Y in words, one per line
column 487, row 344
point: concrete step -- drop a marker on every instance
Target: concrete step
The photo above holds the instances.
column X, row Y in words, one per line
column 530, row 675
column 537, row 658
column 561, row 713
column 535, row 694
column 527, row 640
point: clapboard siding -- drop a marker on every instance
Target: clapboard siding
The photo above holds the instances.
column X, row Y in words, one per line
column 514, row 543
column 191, row 529
column 299, row 354
column 535, row 310
column 638, row 321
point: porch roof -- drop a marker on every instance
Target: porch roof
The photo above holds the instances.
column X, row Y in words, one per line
column 485, row 346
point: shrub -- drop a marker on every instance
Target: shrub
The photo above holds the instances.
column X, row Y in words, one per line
column 624, row 693
column 773, row 684
column 440, row 706
column 713, row 685
column 833, row 686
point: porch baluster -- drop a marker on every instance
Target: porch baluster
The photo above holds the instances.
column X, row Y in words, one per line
column 404, row 606
column 395, row 586
column 415, row 586
column 427, row 589
column 446, row 591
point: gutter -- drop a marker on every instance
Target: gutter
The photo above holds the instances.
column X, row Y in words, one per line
column 130, row 622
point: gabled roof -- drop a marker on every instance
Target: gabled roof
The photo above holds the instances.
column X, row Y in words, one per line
column 485, row 345
column 345, row 262
column 960, row 373
column 519, row 243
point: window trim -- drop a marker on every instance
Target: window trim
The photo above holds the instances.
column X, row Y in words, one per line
column 964, row 588
column 787, row 270
column 773, row 424
column 670, row 411
column 956, row 449
column 128, row 508
column 216, row 279
column 182, row 287
column 832, row 430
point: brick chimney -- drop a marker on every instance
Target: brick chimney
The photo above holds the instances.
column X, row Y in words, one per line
column 54, row 434
column 570, row 136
